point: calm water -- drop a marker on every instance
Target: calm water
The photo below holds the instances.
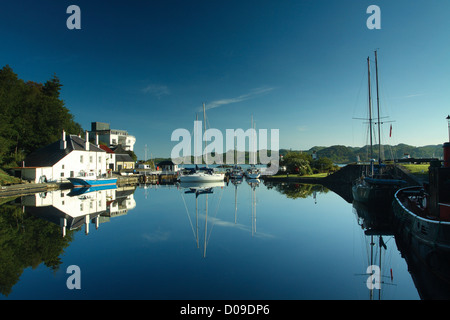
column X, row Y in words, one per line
column 267, row 242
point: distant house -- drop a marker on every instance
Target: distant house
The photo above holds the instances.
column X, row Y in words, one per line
column 65, row 158
column 112, row 137
column 168, row 165
column 123, row 159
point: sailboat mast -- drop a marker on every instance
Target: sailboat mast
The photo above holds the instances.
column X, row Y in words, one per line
column 370, row 109
column 204, row 125
column 378, row 109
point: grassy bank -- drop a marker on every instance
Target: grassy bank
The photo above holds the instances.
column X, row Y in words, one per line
column 6, row 179
column 418, row 170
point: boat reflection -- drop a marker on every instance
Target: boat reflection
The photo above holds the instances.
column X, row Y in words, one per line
column 378, row 237
column 428, row 261
column 253, row 183
column 72, row 209
column 198, row 189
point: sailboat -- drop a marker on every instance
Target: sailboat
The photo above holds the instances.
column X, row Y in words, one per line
column 253, row 172
column 203, row 174
column 377, row 188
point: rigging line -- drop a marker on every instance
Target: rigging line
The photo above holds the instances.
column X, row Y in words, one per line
column 215, row 215
column 187, row 213
column 363, row 78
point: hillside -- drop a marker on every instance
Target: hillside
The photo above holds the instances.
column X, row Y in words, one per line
column 343, row 154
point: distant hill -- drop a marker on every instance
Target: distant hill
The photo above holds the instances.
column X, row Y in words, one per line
column 343, row 154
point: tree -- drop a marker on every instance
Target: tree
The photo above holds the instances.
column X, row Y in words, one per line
column 33, row 116
column 323, row 165
column 296, row 162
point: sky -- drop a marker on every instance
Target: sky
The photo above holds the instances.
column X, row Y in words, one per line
column 299, row 66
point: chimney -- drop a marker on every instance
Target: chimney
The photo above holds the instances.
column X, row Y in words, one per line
column 86, row 144
column 63, row 143
column 96, row 140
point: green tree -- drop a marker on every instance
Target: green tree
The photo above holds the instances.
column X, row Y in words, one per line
column 297, row 162
column 323, row 165
column 33, row 116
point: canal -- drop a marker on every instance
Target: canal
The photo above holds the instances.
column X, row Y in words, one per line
column 251, row 241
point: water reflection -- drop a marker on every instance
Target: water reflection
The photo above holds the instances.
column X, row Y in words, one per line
column 72, row 209
column 298, row 190
column 379, row 243
column 200, row 189
column 38, row 229
column 428, row 263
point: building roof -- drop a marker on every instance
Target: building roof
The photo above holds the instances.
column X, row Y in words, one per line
column 108, row 150
column 119, row 149
column 51, row 154
column 124, row 158
column 166, row 163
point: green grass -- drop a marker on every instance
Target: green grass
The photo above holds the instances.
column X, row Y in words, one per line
column 6, row 179
column 420, row 170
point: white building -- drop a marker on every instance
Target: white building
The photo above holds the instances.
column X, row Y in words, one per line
column 64, row 158
column 112, row 137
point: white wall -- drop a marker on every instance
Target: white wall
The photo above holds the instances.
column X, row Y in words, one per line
column 70, row 165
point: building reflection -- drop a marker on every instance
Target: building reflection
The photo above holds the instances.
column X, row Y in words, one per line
column 77, row 208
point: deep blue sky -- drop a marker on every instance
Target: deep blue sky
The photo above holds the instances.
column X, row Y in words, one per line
column 298, row 66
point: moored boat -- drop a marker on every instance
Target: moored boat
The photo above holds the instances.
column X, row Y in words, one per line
column 424, row 211
column 236, row 173
column 377, row 187
column 90, row 179
column 201, row 175
column 253, row 173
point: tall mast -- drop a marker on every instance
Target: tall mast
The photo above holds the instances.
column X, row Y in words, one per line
column 204, row 125
column 378, row 109
column 370, row 109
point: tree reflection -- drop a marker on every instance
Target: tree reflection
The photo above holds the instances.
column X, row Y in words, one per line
column 27, row 241
column 298, row 190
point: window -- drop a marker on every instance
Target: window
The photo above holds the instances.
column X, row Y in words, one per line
column 62, row 174
column 99, row 159
column 81, row 158
column 62, row 166
column 90, row 159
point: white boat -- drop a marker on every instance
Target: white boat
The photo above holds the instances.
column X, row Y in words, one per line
column 201, row 175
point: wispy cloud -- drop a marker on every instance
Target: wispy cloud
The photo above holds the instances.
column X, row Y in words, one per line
column 156, row 236
column 157, row 90
column 227, row 224
column 252, row 94
column 414, row 95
